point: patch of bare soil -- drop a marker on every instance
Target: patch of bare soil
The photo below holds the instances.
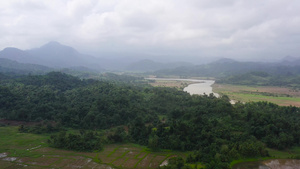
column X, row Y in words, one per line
column 280, row 90
column 78, row 163
column 156, row 161
column 5, row 164
column 94, row 165
column 146, row 161
column 62, row 163
column 24, row 159
column 105, row 159
column 132, row 154
column 88, row 154
column 43, row 161
column 44, row 150
column 119, row 162
column 141, row 155
column 130, row 163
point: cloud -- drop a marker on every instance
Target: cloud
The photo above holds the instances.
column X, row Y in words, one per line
column 231, row 28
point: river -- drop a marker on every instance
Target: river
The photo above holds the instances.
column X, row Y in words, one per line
column 203, row 87
column 200, row 87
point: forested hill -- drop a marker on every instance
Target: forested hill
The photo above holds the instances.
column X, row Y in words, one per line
column 10, row 66
column 263, row 79
column 223, row 68
column 160, row 118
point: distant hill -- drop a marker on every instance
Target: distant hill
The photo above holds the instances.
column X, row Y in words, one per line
column 52, row 54
column 14, row 54
column 290, row 60
column 263, row 79
column 10, row 66
column 149, row 65
column 225, row 67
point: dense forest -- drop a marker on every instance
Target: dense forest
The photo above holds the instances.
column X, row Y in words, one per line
column 160, row 118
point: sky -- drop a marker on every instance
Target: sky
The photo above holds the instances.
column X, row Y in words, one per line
column 188, row 30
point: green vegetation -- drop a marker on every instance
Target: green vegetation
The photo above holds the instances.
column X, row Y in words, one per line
column 17, row 143
column 85, row 141
column 263, row 79
column 13, row 67
column 278, row 95
column 32, row 150
column 215, row 131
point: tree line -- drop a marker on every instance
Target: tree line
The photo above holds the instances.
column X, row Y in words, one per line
column 216, row 131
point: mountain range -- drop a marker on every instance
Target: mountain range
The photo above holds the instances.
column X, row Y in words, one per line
column 52, row 54
column 58, row 56
column 226, row 67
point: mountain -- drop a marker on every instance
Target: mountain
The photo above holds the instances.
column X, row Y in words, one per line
column 149, row 65
column 225, row 60
column 10, row 66
column 52, row 54
column 223, row 68
column 14, row 54
column 290, row 60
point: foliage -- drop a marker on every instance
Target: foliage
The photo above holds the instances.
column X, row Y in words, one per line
column 40, row 128
column 263, row 79
column 85, row 141
column 176, row 163
column 215, row 130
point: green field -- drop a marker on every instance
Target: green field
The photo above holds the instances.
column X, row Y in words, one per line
column 277, row 95
column 18, row 150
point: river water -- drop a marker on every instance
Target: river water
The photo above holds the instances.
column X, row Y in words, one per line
column 200, row 87
column 203, row 87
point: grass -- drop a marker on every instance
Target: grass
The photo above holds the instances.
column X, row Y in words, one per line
column 274, row 154
column 234, row 162
column 20, row 145
column 277, row 95
column 199, row 165
column 17, row 143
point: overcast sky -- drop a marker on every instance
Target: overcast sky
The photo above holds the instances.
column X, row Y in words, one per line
column 179, row 29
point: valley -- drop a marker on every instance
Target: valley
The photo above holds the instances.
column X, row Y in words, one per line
column 78, row 116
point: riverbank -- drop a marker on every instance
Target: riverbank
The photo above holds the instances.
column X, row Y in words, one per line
column 179, row 84
column 192, row 86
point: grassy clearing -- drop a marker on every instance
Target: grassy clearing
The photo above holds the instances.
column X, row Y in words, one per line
column 19, row 144
column 274, row 154
column 277, row 95
column 32, row 150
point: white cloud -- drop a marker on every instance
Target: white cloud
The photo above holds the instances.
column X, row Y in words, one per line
column 228, row 28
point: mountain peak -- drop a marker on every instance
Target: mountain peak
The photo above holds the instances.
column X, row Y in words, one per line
column 8, row 49
column 57, row 48
column 53, row 44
